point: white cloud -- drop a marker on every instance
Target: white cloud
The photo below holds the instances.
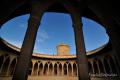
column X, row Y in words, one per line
column 42, row 36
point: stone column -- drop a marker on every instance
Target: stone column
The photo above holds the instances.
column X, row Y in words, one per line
column 98, row 67
column 8, row 69
column 93, row 70
column 59, row 69
column 72, row 70
column 43, row 69
column 2, row 66
column 49, row 69
column 104, row 67
column 62, row 69
column 52, row 70
column 38, row 69
column 21, row 71
column 82, row 61
column 67, row 70
column 33, row 68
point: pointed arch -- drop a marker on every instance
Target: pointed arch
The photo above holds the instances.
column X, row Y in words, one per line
column 69, row 69
column 74, row 69
column 112, row 64
column 55, row 69
column 40, row 72
column 106, row 64
column 95, row 67
column 5, row 66
column 101, row 66
column 60, row 69
column 90, row 68
column 65, row 69
column 45, row 72
column 1, row 60
column 50, row 69
column 12, row 67
column 35, row 68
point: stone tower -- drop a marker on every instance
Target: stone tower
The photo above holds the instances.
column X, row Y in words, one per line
column 63, row 49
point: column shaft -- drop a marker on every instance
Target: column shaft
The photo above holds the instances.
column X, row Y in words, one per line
column 72, row 70
column 62, row 70
column 98, row 67
column 38, row 69
column 8, row 69
column 21, row 71
column 49, row 70
column 104, row 67
column 80, row 49
column 32, row 73
column 93, row 70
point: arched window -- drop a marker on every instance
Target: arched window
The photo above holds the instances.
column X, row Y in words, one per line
column 35, row 68
column 5, row 66
column 40, row 72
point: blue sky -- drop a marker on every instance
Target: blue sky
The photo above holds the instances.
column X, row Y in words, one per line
column 55, row 28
